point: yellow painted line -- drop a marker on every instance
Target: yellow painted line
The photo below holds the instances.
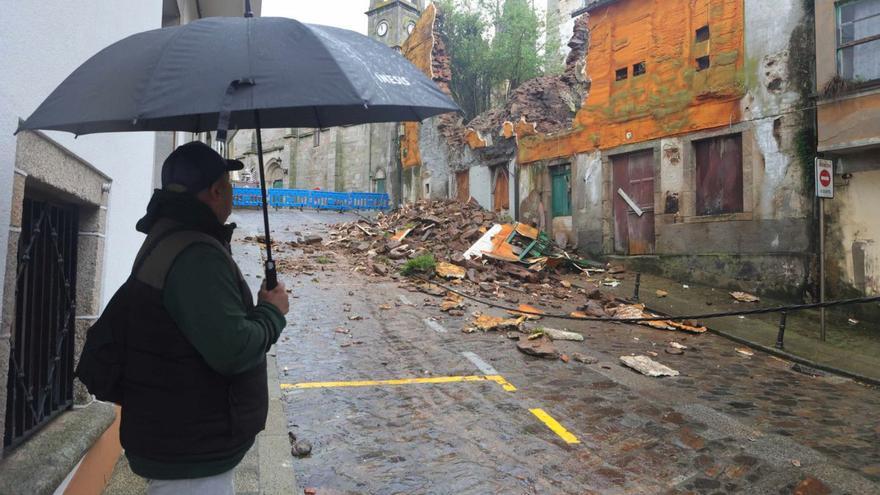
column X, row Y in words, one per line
column 501, row 381
column 555, row 426
column 402, row 381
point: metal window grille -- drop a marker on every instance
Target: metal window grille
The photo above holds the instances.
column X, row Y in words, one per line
column 40, row 383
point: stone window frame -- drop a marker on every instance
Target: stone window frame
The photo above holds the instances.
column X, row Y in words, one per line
column 43, row 165
column 750, row 154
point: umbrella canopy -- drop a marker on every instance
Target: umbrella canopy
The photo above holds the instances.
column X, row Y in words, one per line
column 240, row 73
column 184, row 78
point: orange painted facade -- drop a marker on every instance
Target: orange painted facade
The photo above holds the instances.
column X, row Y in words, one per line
column 673, row 95
column 418, row 49
column 474, row 139
column 507, row 129
column 410, row 156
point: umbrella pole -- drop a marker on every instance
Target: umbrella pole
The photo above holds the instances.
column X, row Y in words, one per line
column 271, row 275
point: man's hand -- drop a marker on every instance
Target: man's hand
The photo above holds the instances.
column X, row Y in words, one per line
column 277, row 297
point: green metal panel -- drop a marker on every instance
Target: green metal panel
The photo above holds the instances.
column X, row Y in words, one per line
column 561, row 198
column 380, row 186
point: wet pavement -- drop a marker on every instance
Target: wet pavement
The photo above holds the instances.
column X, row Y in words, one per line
column 851, row 345
column 729, row 423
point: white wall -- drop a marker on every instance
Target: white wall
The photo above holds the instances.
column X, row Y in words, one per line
column 42, row 42
column 480, row 184
column 768, row 31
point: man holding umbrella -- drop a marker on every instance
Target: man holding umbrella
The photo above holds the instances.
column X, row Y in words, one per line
column 194, row 373
column 195, row 382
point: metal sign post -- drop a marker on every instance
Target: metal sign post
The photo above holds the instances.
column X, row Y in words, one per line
column 824, row 189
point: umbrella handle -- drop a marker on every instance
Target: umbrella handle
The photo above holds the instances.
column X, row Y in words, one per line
column 271, row 275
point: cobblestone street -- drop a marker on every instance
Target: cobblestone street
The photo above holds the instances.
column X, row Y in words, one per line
column 394, row 399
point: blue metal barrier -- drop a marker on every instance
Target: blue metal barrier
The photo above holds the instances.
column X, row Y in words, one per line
column 319, row 200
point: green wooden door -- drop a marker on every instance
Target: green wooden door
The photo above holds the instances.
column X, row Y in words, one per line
column 561, row 192
column 380, row 186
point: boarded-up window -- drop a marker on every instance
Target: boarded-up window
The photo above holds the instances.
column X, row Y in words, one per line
column 719, row 175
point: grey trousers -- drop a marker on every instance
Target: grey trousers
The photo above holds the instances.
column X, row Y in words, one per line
column 220, row 484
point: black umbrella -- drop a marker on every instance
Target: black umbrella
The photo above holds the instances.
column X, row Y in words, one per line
column 240, row 73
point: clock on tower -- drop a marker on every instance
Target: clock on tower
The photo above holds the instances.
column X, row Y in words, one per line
column 392, row 21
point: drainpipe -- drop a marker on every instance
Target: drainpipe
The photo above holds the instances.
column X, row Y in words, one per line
column 370, row 159
column 515, row 209
column 398, row 163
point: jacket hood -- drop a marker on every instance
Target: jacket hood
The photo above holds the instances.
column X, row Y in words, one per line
column 186, row 210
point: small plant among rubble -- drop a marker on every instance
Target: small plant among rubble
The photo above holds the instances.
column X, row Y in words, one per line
column 323, row 260
column 382, row 259
column 420, row 264
column 537, row 333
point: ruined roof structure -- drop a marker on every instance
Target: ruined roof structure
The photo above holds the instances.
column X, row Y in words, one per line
column 543, row 105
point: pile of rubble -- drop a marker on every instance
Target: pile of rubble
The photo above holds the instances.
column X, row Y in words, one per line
column 442, row 228
column 481, row 256
column 469, row 245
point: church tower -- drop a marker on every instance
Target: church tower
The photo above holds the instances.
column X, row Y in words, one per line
column 391, row 21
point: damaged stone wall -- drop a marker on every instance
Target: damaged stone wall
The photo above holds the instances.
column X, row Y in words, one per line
column 753, row 86
column 560, row 24
column 671, row 95
column 444, row 145
column 424, row 147
column 588, row 198
column 545, row 104
column 767, row 246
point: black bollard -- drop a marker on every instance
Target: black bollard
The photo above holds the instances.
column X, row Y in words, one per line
column 781, row 336
column 638, row 284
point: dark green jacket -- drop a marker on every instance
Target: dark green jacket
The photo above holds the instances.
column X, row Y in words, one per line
column 195, row 393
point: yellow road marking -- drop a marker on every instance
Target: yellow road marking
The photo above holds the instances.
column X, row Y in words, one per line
column 403, row 381
column 555, row 426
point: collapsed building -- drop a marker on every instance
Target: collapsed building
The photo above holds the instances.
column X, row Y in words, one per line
column 677, row 139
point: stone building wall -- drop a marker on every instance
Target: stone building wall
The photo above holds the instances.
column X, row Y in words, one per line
column 754, row 86
column 766, row 246
column 848, row 117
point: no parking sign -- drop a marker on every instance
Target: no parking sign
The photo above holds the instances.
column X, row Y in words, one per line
column 824, row 178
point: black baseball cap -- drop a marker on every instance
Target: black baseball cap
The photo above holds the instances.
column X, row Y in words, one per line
column 193, row 167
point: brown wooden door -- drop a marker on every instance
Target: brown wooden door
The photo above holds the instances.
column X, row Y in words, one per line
column 501, row 194
column 462, row 186
column 634, row 175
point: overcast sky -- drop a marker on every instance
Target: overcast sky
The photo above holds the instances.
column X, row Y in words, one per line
column 348, row 14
